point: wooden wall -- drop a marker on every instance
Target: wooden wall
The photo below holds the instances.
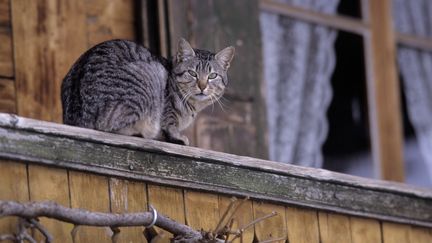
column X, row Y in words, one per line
column 23, row 182
column 40, row 40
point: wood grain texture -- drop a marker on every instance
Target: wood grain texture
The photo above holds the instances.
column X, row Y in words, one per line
column 334, row 228
column 51, row 184
column 175, row 209
column 302, row 225
column 6, row 54
column 202, row 210
column 14, row 186
column 395, row 233
column 127, row 197
column 7, row 96
column 272, row 228
column 109, row 19
column 365, row 230
column 169, row 164
column 383, row 92
column 420, row 235
column 90, row 192
column 47, row 41
column 242, row 217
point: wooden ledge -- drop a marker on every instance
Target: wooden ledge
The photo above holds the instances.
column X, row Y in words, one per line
column 82, row 149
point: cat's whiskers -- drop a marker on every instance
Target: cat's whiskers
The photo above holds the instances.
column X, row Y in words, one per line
column 219, row 102
column 212, row 102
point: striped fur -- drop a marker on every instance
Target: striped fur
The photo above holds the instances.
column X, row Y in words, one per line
column 120, row 87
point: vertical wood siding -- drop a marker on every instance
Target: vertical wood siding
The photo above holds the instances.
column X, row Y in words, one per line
column 200, row 210
column 45, row 39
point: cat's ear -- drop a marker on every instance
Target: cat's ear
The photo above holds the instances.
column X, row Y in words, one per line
column 225, row 56
column 184, row 51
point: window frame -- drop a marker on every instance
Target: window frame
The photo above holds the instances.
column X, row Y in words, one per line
column 383, row 85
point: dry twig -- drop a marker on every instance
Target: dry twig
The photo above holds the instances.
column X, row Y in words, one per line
column 29, row 212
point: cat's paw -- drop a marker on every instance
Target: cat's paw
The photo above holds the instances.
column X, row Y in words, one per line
column 182, row 140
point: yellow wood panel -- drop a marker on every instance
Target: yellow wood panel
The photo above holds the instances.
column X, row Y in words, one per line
column 420, row 235
column 14, row 186
column 271, row 228
column 202, row 210
column 110, row 19
column 302, row 225
column 48, row 37
column 90, row 192
column 7, row 95
column 122, row 10
column 242, row 217
column 169, row 202
column 395, row 233
column 365, row 230
column 127, row 197
column 51, row 184
column 334, row 228
column 6, row 57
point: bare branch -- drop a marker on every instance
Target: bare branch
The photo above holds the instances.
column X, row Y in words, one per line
column 256, row 221
column 42, row 229
column 221, row 224
column 240, row 231
column 7, row 237
column 84, row 217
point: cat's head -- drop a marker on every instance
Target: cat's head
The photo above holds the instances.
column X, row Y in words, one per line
column 201, row 75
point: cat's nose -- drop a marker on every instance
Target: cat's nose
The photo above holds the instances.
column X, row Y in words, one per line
column 202, row 85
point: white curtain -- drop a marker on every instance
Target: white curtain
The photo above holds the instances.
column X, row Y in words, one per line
column 415, row 17
column 299, row 59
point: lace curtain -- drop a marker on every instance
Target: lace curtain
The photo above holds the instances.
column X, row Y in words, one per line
column 415, row 17
column 299, row 59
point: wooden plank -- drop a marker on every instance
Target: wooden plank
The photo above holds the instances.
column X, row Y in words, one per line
column 242, row 217
column 7, row 96
column 395, row 233
column 109, row 20
column 127, row 197
column 46, row 43
column 302, row 225
column 418, row 42
column 51, row 184
column 420, row 235
column 383, row 93
column 198, row 204
column 272, row 228
column 90, row 192
column 121, row 10
column 169, row 164
column 14, row 186
column 334, row 228
column 175, row 209
column 6, row 55
column 365, row 230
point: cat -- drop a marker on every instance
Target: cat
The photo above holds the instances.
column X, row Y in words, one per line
column 120, row 87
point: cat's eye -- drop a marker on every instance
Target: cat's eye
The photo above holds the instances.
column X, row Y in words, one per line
column 212, row 76
column 192, row 73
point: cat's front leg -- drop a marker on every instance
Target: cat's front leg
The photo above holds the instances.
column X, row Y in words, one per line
column 172, row 135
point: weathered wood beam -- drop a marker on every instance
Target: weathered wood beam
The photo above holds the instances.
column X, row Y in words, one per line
column 92, row 151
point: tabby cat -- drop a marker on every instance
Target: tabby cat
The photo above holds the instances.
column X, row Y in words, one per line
column 118, row 86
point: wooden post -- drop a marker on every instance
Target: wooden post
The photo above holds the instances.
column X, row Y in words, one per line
column 383, row 91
